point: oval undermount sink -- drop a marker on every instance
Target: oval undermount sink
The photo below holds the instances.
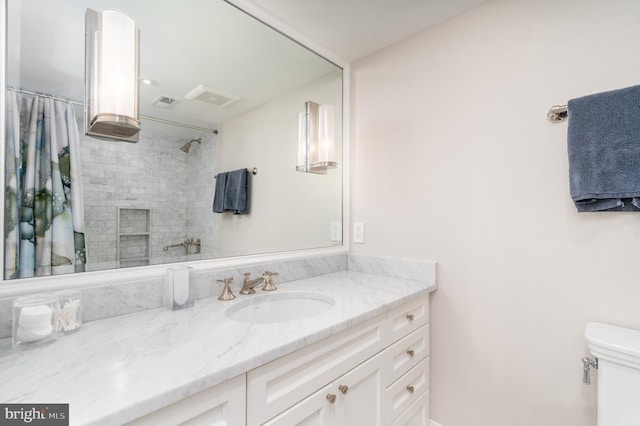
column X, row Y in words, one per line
column 279, row 307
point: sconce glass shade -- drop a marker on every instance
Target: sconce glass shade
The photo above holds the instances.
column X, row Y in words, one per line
column 111, row 76
column 326, row 145
column 316, row 146
column 302, row 142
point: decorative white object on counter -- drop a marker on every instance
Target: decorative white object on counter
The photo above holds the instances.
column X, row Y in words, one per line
column 34, row 323
column 68, row 311
column 178, row 294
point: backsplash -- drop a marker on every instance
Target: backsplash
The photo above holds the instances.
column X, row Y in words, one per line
column 134, row 296
column 139, row 295
column 397, row 268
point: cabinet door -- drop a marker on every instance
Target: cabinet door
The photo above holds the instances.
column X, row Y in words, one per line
column 284, row 382
column 353, row 399
column 221, row 405
column 360, row 394
column 317, row 410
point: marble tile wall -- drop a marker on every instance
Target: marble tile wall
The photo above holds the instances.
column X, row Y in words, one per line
column 201, row 221
column 152, row 174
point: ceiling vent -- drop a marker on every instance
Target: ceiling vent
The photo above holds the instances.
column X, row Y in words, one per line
column 164, row 102
column 211, row 96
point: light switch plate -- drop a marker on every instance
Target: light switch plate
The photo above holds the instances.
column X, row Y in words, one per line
column 358, row 232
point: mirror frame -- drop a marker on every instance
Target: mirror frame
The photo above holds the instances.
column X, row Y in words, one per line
column 15, row 288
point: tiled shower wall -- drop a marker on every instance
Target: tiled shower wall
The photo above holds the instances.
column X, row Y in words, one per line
column 201, row 172
column 151, row 174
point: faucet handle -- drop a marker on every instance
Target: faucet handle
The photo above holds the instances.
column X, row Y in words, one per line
column 268, row 281
column 227, row 294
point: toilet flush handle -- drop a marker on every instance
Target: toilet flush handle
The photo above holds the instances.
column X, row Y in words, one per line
column 587, row 363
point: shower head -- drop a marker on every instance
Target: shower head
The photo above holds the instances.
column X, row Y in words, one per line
column 187, row 146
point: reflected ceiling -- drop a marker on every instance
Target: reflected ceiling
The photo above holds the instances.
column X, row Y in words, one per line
column 181, row 59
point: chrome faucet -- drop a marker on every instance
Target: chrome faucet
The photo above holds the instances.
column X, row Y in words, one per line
column 248, row 284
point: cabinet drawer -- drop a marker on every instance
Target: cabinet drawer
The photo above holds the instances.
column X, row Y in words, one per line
column 222, row 405
column 407, row 353
column 408, row 317
column 280, row 384
column 406, row 390
column 417, row 414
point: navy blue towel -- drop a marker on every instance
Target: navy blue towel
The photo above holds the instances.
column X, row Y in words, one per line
column 236, row 194
column 604, row 151
column 218, row 197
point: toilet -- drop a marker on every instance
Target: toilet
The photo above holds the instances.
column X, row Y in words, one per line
column 617, row 350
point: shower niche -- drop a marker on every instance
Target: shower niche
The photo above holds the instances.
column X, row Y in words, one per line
column 133, row 244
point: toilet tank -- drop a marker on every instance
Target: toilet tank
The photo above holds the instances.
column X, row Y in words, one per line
column 618, row 352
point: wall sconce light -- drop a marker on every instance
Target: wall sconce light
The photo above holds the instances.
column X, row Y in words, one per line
column 111, row 76
column 316, row 146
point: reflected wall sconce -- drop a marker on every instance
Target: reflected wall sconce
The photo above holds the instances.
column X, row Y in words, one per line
column 316, row 145
column 111, row 76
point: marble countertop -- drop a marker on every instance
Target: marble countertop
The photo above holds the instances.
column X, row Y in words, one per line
column 117, row 369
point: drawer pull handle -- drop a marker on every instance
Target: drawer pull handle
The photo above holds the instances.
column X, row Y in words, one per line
column 343, row 388
column 331, row 397
column 410, row 352
column 410, row 317
column 410, row 388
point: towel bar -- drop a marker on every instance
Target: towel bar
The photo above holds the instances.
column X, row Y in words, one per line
column 558, row 113
column 253, row 171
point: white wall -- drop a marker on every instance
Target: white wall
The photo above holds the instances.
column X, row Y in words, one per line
column 289, row 210
column 453, row 160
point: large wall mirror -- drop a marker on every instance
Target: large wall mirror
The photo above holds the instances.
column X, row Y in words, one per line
column 150, row 202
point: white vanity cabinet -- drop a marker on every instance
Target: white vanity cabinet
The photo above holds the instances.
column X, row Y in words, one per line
column 375, row 373
column 220, row 405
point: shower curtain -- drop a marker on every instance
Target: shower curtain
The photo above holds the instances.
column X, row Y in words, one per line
column 44, row 220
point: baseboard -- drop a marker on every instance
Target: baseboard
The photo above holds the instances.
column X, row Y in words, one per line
column 432, row 423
